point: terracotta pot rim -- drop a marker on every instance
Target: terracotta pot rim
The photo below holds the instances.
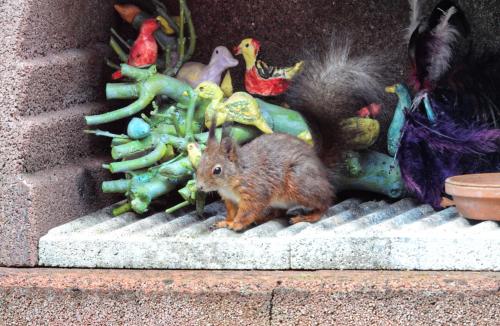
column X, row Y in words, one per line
column 472, row 192
column 480, row 180
column 476, row 196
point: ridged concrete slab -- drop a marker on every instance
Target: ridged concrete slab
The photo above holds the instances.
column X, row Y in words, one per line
column 352, row 235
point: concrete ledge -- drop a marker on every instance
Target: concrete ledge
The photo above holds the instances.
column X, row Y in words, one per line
column 62, row 297
column 351, row 235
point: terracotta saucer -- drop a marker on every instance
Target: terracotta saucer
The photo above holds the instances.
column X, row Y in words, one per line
column 476, row 196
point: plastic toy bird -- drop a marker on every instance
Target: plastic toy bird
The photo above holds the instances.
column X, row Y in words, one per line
column 260, row 78
column 194, row 154
column 364, row 131
column 165, row 25
column 398, row 119
column 144, row 51
column 227, row 85
column 241, row 107
column 127, row 11
column 370, row 111
column 194, row 73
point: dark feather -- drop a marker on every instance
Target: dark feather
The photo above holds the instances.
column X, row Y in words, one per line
column 415, row 17
column 434, row 45
column 430, row 153
column 471, row 92
column 462, row 84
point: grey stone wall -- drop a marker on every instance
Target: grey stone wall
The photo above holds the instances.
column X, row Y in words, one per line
column 51, row 74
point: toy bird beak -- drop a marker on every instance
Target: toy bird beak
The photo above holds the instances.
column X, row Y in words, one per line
column 390, row 89
column 237, row 50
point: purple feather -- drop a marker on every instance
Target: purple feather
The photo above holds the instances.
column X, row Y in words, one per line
column 430, row 153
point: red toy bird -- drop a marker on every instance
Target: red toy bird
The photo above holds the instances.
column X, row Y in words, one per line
column 261, row 79
column 370, row 111
column 144, row 51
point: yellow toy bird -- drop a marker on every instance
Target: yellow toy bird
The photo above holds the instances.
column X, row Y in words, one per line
column 241, row 107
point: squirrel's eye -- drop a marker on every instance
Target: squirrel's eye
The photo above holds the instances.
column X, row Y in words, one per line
column 217, row 170
column 247, row 45
column 216, row 51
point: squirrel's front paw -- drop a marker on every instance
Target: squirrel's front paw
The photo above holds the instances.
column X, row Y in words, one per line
column 220, row 225
column 295, row 220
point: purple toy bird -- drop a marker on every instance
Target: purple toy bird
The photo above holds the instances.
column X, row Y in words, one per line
column 194, row 73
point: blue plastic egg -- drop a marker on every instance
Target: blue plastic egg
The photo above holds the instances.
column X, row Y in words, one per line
column 138, row 128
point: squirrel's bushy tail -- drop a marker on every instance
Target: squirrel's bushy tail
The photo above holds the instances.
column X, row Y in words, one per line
column 332, row 86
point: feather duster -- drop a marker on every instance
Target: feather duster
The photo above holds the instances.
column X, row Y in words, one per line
column 433, row 44
column 431, row 152
column 415, row 18
column 464, row 84
column 458, row 133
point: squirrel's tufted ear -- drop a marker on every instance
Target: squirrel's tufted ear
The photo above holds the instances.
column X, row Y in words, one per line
column 229, row 149
column 211, row 133
column 226, row 129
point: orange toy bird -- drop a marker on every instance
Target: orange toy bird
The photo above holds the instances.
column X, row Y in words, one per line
column 144, row 51
column 260, row 78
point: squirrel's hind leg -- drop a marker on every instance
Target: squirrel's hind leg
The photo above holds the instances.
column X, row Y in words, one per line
column 311, row 218
column 270, row 213
column 308, row 188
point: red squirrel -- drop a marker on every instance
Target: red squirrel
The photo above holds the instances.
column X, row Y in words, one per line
column 264, row 178
column 274, row 172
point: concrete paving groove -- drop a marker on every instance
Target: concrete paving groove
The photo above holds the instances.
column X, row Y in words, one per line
column 352, row 235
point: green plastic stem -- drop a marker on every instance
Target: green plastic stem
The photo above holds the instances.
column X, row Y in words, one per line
column 192, row 31
column 127, row 111
column 181, row 39
column 147, row 89
column 283, row 120
column 122, row 209
column 190, row 115
column 118, row 50
column 133, row 147
column 116, row 186
column 141, row 162
column 119, row 38
column 158, row 186
column 135, row 73
column 176, row 207
column 122, row 91
column 179, row 167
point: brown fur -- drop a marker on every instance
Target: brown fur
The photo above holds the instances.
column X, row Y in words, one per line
column 264, row 178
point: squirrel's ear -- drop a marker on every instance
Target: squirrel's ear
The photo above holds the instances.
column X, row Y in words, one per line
column 229, row 148
column 226, row 129
column 211, row 133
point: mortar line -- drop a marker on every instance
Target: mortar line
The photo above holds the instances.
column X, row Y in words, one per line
column 271, row 305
